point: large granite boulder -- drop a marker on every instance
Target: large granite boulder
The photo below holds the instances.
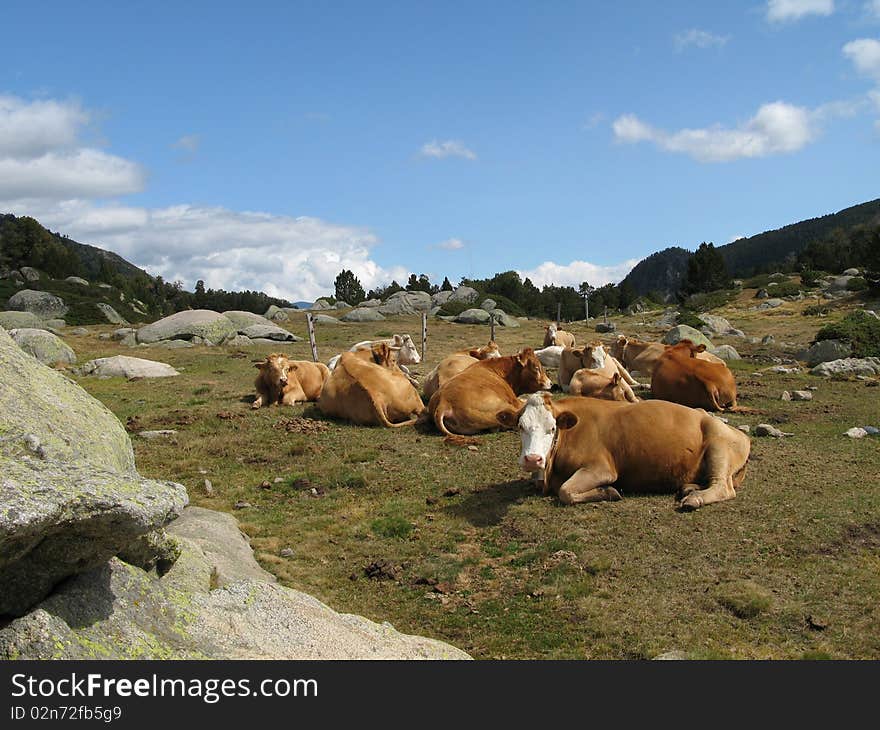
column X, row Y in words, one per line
column 30, row 273
column 19, row 320
column 41, row 303
column 504, row 319
column 321, row 304
column 683, row 332
column 48, row 348
column 243, row 319
column 276, row 314
column 488, row 304
column 725, row 352
column 77, row 280
column 362, row 314
column 203, row 323
column 473, row 316
column 848, row 366
column 70, row 493
column 824, row 351
column 122, row 366
column 406, row 302
column 324, row 319
column 110, row 314
column 441, row 297
column 269, row 332
column 464, row 294
column 214, row 602
column 371, row 303
column 718, row 325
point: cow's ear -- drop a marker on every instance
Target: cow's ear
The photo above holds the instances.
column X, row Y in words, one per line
column 615, row 379
column 700, row 348
column 398, row 340
column 566, row 420
column 475, row 353
column 259, row 365
column 508, row 418
column 578, row 353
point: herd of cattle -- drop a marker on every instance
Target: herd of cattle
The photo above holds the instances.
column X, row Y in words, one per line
column 587, row 447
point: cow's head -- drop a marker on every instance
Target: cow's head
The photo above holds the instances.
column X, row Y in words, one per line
column 486, row 352
column 274, row 370
column 593, row 356
column 538, row 423
column 384, row 354
column 619, row 347
column 686, row 348
column 529, row 374
column 613, row 391
column 407, row 352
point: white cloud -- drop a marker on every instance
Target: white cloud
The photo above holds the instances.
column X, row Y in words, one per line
column 451, row 244
column 574, row 273
column 865, row 55
column 783, row 11
column 775, row 128
column 42, row 156
column 188, row 143
column 699, row 39
column 447, row 148
column 872, row 9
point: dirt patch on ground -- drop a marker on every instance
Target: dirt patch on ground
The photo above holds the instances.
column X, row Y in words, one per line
column 854, row 538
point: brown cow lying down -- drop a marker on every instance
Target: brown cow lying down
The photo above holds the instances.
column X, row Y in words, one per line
column 453, row 364
column 586, row 449
column 593, row 384
column 594, row 357
column 641, row 357
column 285, row 382
column 367, row 388
column 555, row 336
column 470, row 401
column 681, row 377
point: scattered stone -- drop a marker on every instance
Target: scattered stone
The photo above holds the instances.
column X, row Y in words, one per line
column 871, row 430
column 242, row 505
column 473, row 316
column 770, row 304
column 765, row 429
column 110, row 314
column 41, row 303
column 268, row 332
column 122, row 366
column 825, row 351
column 188, row 325
column 157, row 434
column 856, row 433
column 768, row 340
column 29, row 273
column 786, row 395
column 849, row 366
column 362, row 314
column 745, row 428
column 342, row 304
column 44, row 346
column 208, row 487
column 683, row 332
column 762, row 294
column 801, row 395
column 325, row 319
column 174, row 344
column 371, row 303
column 286, row 553
column 606, row 327
column 725, row 352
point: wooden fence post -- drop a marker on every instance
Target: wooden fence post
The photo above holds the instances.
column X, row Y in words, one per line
column 424, row 333
column 311, row 324
column 492, row 326
column 558, row 314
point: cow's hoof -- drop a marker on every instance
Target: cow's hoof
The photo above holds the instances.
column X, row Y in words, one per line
column 612, row 495
column 691, row 502
column 686, row 490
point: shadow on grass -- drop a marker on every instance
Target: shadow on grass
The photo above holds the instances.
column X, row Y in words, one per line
column 489, row 505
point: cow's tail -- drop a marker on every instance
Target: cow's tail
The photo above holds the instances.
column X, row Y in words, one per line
column 383, row 417
column 451, row 438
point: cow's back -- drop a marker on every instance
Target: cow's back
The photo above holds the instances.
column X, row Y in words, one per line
column 693, row 382
column 446, row 369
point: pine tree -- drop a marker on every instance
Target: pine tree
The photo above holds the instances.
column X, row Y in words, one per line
column 348, row 288
column 447, row 286
column 706, row 271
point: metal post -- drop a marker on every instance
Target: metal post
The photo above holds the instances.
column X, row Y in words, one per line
column 424, row 333
column 311, row 324
column 492, row 326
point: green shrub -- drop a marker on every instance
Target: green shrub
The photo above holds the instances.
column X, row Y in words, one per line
column 816, row 309
column 690, row 319
column 857, row 283
column 810, row 278
column 860, row 329
column 704, row 301
column 784, row 289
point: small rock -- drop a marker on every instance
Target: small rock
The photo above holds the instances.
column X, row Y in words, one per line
column 242, row 505
column 278, row 480
column 161, row 433
column 768, row 340
column 674, row 655
column 286, row 553
column 786, row 395
column 265, row 485
column 209, row 488
column 765, row 429
column 472, row 448
column 745, row 428
column 802, row 395
column 856, row 433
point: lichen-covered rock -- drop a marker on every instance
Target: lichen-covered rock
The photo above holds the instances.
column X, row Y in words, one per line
column 473, row 316
column 41, row 303
column 725, row 352
column 21, row 320
column 30, row 273
column 848, row 366
column 210, row 326
column 269, row 332
column 276, row 314
column 321, row 304
column 406, row 302
column 243, row 319
column 441, row 297
column 122, row 366
column 362, row 314
column 825, row 351
column 464, row 294
column 324, row 319
column 202, row 608
column 77, row 280
column 110, row 314
column 48, row 348
column 683, row 332
column 70, row 497
column 504, row 319
column 488, row 304
column 371, row 303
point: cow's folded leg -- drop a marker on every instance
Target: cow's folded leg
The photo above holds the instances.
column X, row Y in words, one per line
column 590, row 484
column 258, row 402
column 686, row 489
column 719, row 490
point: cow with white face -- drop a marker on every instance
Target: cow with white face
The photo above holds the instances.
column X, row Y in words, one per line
column 407, row 353
column 550, row 355
column 586, row 450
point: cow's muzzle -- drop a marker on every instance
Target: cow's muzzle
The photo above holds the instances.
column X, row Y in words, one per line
column 532, row 462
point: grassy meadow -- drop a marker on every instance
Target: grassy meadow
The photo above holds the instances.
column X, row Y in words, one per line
column 456, row 544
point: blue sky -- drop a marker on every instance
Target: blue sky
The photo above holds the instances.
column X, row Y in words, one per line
column 269, row 145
